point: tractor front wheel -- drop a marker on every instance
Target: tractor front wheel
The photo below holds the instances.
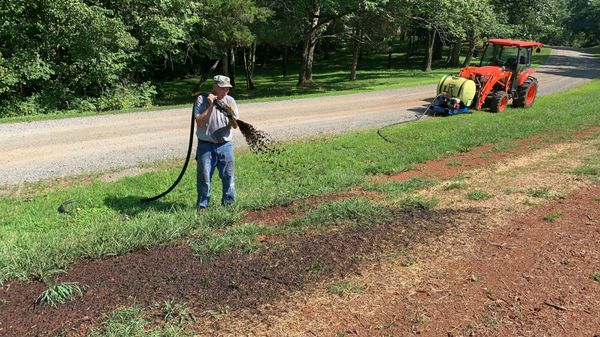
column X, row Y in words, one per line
column 527, row 93
column 499, row 101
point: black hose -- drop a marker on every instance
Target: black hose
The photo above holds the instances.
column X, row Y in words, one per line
column 417, row 117
column 187, row 160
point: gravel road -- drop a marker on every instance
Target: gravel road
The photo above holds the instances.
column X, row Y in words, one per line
column 33, row 151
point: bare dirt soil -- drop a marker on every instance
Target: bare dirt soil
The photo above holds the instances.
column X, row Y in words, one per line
column 517, row 263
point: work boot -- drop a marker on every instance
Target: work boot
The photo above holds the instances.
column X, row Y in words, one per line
column 200, row 211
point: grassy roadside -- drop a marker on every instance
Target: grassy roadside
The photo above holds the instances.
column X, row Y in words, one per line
column 108, row 219
column 330, row 76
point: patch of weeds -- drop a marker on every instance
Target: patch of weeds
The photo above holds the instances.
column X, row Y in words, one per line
column 596, row 276
column 221, row 217
column 3, row 301
column 395, row 187
column 512, row 190
column 455, row 163
column 478, row 195
column 60, row 293
column 590, row 169
column 409, row 261
column 471, row 328
column 216, row 313
column 417, row 203
column 420, row 318
column 489, row 319
column 473, row 278
column 485, row 156
column 381, row 326
column 341, row 334
column 237, row 237
column 170, row 311
column 133, row 322
column 316, row 268
column 352, row 211
column 345, row 287
column 542, row 192
column 489, row 292
column 528, row 202
column 503, row 146
column 597, row 198
column 551, row 217
column 456, row 185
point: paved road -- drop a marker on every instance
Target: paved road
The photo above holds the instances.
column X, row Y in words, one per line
column 39, row 150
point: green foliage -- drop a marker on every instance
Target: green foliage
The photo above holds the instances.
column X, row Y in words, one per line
column 237, row 237
column 596, row 276
column 60, row 293
column 345, row 287
column 417, row 203
column 173, row 319
column 478, row 195
column 553, row 216
column 352, row 211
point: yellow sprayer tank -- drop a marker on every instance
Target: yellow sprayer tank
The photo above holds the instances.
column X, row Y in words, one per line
column 458, row 87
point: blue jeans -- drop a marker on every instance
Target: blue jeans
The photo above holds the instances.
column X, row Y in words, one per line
column 209, row 156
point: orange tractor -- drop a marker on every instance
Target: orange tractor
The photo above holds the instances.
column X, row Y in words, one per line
column 504, row 74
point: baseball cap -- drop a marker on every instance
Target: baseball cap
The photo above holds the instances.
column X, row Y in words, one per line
column 222, row 81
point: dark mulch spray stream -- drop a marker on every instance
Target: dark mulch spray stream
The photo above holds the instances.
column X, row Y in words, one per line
column 258, row 141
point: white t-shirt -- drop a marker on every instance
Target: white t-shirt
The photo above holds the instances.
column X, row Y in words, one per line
column 217, row 128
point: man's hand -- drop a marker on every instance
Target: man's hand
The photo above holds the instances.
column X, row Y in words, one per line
column 211, row 98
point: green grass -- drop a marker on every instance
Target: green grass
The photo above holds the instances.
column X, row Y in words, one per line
column 596, row 276
column 590, row 169
column 399, row 188
column 35, row 239
column 478, row 195
column 345, row 287
column 60, row 293
column 553, row 216
column 167, row 320
column 352, row 211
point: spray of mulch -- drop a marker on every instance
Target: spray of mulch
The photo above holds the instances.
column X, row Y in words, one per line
column 261, row 143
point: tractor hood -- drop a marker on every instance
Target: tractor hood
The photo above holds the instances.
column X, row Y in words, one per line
column 483, row 71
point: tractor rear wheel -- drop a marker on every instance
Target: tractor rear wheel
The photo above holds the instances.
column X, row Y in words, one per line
column 499, row 101
column 527, row 93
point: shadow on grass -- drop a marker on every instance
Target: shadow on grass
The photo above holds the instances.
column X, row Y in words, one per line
column 133, row 205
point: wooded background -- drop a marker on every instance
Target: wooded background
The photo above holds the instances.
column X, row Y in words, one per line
column 95, row 55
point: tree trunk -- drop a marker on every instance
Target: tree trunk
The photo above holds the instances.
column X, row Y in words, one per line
column 429, row 50
column 224, row 65
column 355, row 53
column 285, row 61
column 389, row 58
column 308, row 52
column 472, row 39
column 438, row 48
column 249, row 63
column 455, row 56
column 231, row 67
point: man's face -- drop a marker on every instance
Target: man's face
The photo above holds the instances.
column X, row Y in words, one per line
column 220, row 92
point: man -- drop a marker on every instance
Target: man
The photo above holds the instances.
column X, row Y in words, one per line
column 215, row 148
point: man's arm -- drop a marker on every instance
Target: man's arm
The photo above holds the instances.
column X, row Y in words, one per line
column 203, row 116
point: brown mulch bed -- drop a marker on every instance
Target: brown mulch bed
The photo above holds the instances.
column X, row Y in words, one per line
column 235, row 280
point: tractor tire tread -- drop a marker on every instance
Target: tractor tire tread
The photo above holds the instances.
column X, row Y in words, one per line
column 521, row 101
